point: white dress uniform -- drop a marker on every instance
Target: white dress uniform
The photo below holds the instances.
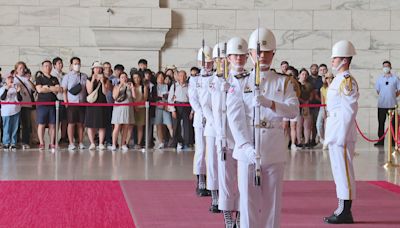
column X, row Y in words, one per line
column 227, row 166
column 260, row 205
column 209, row 132
column 341, row 132
column 199, row 160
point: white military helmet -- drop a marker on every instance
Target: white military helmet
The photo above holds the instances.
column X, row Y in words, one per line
column 207, row 54
column 343, row 48
column 236, row 46
column 221, row 50
column 265, row 37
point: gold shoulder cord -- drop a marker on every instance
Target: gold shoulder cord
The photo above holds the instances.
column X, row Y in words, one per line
column 347, row 84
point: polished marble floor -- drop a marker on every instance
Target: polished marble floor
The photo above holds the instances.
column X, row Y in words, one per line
column 166, row 164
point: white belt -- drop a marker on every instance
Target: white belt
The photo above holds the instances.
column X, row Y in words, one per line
column 268, row 124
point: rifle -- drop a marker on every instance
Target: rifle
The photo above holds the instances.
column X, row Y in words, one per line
column 223, row 104
column 256, row 116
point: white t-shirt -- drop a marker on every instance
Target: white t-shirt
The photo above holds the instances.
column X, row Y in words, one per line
column 10, row 109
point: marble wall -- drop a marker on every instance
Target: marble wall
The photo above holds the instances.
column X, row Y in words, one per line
column 305, row 32
column 169, row 32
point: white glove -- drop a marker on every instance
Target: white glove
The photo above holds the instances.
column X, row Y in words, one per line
column 260, row 100
column 225, row 86
column 251, row 155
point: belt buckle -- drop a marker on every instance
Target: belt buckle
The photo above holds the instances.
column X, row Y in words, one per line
column 266, row 124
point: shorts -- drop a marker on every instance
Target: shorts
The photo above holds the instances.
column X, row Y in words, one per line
column 162, row 117
column 45, row 114
column 76, row 114
column 63, row 113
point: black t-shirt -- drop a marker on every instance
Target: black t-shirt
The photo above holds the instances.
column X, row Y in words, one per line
column 317, row 84
column 44, row 80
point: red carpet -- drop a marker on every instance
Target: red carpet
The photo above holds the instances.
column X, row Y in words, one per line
column 173, row 204
column 63, row 204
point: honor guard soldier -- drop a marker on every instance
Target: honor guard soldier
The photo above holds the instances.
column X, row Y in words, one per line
column 209, row 131
column 256, row 107
column 199, row 160
column 342, row 106
column 227, row 166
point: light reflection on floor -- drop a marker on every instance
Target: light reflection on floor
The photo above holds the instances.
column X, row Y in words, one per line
column 168, row 164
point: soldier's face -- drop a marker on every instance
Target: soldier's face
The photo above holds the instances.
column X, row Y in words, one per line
column 209, row 65
column 239, row 60
column 265, row 56
column 336, row 61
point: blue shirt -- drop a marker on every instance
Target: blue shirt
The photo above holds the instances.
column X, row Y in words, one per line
column 387, row 86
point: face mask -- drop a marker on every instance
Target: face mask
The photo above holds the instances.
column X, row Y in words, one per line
column 335, row 70
column 76, row 67
column 386, row 70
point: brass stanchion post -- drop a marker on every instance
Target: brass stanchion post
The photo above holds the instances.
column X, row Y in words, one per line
column 389, row 162
column 396, row 131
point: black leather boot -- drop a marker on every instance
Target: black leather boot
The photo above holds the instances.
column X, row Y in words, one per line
column 342, row 215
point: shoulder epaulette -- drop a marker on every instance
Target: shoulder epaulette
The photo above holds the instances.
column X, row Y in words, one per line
column 242, row 75
column 346, row 86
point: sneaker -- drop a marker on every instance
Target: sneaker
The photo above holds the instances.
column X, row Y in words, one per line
column 112, row 148
column 71, row 147
column 160, row 146
column 137, row 147
column 81, row 146
column 91, row 147
column 25, row 146
column 179, row 146
column 13, row 148
column 41, row 147
column 124, row 148
column 5, row 147
column 101, row 147
column 293, row 147
column 52, row 147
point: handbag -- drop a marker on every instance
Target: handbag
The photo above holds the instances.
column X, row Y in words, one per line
column 91, row 98
column 30, row 92
column 76, row 89
column 122, row 95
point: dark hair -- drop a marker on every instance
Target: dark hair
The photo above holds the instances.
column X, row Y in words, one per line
column 28, row 71
column 107, row 63
column 388, row 62
column 74, row 58
column 46, row 61
column 323, row 65
column 143, row 61
column 195, row 68
column 140, row 76
column 304, row 69
column 119, row 67
column 295, row 71
column 312, row 65
column 284, row 62
column 147, row 71
column 38, row 73
column 55, row 60
column 159, row 73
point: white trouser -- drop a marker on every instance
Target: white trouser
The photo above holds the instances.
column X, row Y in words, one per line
column 342, row 170
column 228, row 183
column 260, row 206
column 212, row 164
column 199, row 159
column 320, row 123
